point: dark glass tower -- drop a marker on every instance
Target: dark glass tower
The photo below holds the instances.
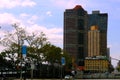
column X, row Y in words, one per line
column 100, row 20
column 75, row 34
column 77, row 23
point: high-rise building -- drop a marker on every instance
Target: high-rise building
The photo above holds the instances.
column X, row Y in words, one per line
column 93, row 41
column 75, row 35
column 80, row 39
column 100, row 20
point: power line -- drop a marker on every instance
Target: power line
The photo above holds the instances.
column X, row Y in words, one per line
column 115, row 59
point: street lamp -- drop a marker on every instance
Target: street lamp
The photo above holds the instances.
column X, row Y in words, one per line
column 20, row 41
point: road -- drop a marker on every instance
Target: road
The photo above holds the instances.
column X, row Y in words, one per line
column 74, row 79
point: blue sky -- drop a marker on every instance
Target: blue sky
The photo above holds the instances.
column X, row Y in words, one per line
column 47, row 16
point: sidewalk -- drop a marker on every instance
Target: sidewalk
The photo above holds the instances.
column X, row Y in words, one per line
column 39, row 79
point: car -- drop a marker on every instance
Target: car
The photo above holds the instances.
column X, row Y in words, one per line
column 68, row 77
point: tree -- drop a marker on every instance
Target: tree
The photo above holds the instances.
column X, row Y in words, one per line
column 14, row 40
column 5, row 63
column 35, row 43
column 51, row 53
column 39, row 49
column 68, row 59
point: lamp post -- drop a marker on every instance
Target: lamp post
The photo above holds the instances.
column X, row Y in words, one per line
column 32, row 68
column 20, row 43
column 19, row 46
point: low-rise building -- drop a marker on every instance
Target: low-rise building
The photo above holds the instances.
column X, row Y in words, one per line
column 96, row 65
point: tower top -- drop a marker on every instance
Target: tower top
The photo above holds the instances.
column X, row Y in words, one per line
column 77, row 7
column 94, row 27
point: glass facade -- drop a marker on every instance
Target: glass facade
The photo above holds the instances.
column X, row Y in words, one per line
column 99, row 19
column 74, row 34
column 77, row 23
column 80, row 24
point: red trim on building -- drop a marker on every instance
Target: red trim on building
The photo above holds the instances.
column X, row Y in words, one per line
column 77, row 7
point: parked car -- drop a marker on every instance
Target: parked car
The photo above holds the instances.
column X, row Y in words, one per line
column 68, row 77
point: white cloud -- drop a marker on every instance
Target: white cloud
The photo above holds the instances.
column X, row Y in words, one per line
column 7, row 18
column 32, row 19
column 24, row 15
column 27, row 3
column 54, row 35
column 49, row 13
column 23, row 18
column 14, row 3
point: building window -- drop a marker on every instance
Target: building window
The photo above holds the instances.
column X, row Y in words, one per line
column 81, row 52
column 80, row 13
column 80, row 24
column 80, row 38
column 81, row 63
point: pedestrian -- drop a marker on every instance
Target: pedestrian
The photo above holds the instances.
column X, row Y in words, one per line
column 73, row 74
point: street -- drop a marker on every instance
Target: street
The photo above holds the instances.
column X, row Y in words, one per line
column 74, row 79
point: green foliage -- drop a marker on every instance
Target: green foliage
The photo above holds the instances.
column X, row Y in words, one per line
column 54, row 54
column 5, row 63
column 68, row 58
column 51, row 53
column 37, row 47
column 118, row 68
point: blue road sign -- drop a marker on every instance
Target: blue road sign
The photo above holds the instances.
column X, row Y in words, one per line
column 24, row 50
column 63, row 61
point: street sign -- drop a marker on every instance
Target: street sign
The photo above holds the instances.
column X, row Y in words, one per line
column 24, row 50
column 63, row 61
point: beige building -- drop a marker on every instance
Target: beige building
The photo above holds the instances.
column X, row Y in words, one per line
column 97, row 65
column 93, row 41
